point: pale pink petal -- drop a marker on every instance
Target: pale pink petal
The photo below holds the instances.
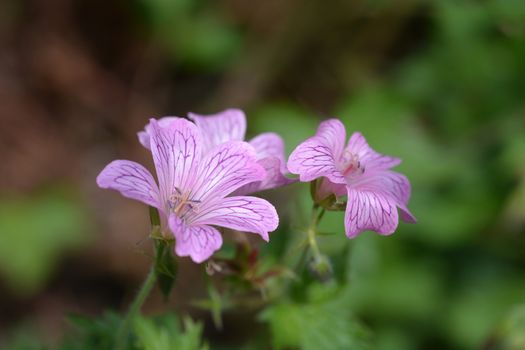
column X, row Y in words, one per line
column 176, row 152
column 369, row 159
column 370, row 210
column 392, row 183
column 313, row 159
column 249, row 214
column 333, row 134
column 269, row 148
column 196, row 241
column 268, row 144
column 406, row 215
column 400, row 188
column 225, row 169
column 228, row 125
column 132, row 180
column 144, row 136
column 274, row 177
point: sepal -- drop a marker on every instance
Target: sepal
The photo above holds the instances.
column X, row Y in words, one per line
column 328, row 201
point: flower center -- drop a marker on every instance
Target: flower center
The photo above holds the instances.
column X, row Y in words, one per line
column 180, row 203
column 350, row 164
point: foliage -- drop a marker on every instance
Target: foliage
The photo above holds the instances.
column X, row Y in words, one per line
column 323, row 321
column 166, row 332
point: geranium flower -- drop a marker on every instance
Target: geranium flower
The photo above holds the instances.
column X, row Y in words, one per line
column 373, row 190
column 193, row 187
column 230, row 125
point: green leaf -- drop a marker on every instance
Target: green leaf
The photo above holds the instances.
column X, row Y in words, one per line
column 324, row 322
column 166, row 333
column 92, row 333
column 165, row 262
column 165, row 266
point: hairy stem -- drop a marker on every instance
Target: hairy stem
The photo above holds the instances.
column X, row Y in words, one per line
column 134, row 308
column 316, row 216
column 311, row 241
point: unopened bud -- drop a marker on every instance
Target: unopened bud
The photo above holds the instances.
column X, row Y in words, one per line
column 321, row 268
column 325, row 194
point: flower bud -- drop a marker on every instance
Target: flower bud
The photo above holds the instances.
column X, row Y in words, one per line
column 321, row 268
column 325, row 194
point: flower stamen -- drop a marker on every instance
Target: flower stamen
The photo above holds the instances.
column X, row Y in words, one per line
column 180, row 201
column 351, row 163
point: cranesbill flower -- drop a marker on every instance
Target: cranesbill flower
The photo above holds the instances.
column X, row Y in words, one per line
column 373, row 190
column 230, row 125
column 193, row 186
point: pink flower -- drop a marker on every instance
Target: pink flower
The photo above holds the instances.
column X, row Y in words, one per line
column 230, row 125
column 355, row 170
column 193, row 186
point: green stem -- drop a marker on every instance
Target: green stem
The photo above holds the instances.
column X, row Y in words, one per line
column 311, row 241
column 123, row 331
column 312, row 231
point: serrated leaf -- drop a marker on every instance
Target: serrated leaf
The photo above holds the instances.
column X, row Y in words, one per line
column 321, row 323
column 166, row 333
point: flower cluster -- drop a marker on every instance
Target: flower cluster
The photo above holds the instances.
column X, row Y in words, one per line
column 205, row 171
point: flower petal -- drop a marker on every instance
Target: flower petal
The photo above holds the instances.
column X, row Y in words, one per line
column 406, row 215
column 249, row 214
column 394, row 184
column 333, row 134
column 196, row 241
column 313, row 159
column 400, row 188
column 225, row 169
column 176, row 152
column 274, row 177
column 370, row 210
column 132, row 180
column 268, row 144
column 144, row 136
column 269, row 148
column 228, row 125
column 369, row 158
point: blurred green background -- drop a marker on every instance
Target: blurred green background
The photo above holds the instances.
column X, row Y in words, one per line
column 440, row 84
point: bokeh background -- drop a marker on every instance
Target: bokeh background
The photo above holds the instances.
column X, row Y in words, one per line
column 440, row 84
